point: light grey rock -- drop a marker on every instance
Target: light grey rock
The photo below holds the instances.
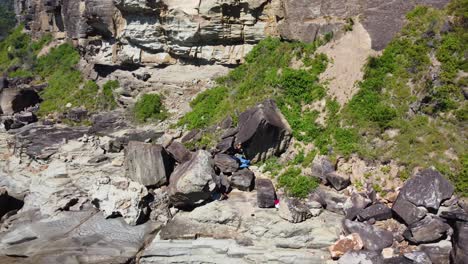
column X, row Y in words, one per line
column 329, row 199
column 122, row 196
column 72, row 237
column 191, row 183
column 321, row 166
column 148, row 164
column 294, row 210
column 418, row 257
column 361, row 257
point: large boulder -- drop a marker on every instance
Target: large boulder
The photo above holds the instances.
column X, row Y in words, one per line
column 226, row 163
column 263, row 131
column 243, row 180
column 429, row 229
column 266, row 194
column 374, row 238
column 439, row 253
column 120, row 196
column 294, row 210
column 427, row 188
column 191, row 182
column 179, row 152
column 148, row 164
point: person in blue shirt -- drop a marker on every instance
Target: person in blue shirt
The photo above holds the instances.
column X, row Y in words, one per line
column 244, row 162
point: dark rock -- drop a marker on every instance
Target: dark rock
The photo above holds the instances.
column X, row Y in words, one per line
column 330, row 200
column 263, row 132
column 179, row 152
column 243, row 180
column 377, row 211
column 106, row 123
column 338, row 181
column 361, row 257
column 148, row 164
column 407, row 211
column 231, row 132
column 354, row 205
column 226, row 123
column 26, row 117
column 226, row 163
column 98, row 159
column 8, row 203
column 77, row 114
column 225, row 145
column 294, row 210
column 190, row 183
column 142, row 76
column 460, row 242
column 321, row 166
column 265, row 193
column 429, row 229
column 194, row 135
column 374, row 238
column 427, row 188
column 438, row 253
column 456, row 214
column 398, row 260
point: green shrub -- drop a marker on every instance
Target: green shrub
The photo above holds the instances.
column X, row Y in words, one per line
column 149, row 108
column 107, row 101
column 295, row 184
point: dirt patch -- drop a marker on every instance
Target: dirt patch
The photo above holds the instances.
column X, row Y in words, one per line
column 348, row 55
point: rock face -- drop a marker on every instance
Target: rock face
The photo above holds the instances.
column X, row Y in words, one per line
column 226, row 163
column 374, row 238
column 243, row 180
column 190, row 183
column 294, row 210
column 148, row 164
column 429, row 229
column 265, row 193
column 263, row 131
column 427, row 189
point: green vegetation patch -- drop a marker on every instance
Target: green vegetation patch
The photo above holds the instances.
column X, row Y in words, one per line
column 295, row 184
column 150, row 108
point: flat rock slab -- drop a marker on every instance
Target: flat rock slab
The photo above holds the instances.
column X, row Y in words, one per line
column 81, row 237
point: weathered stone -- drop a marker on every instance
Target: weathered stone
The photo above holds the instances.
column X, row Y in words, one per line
column 338, row 181
column 179, row 152
column 376, row 211
column 294, row 210
column 407, row 211
column 429, row 229
column 120, row 196
column 330, row 200
column 98, row 159
column 159, row 206
column 263, row 131
column 243, row 180
column 77, row 114
column 354, row 205
column 360, row 257
column 148, row 164
column 351, row 242
column 439, row 253
column 226, row 163
column 418, row 257
column 374, row 238
column 427, row 188
column 225, row 144
column 189, row 184
column 321, row 166
column 265, row 193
